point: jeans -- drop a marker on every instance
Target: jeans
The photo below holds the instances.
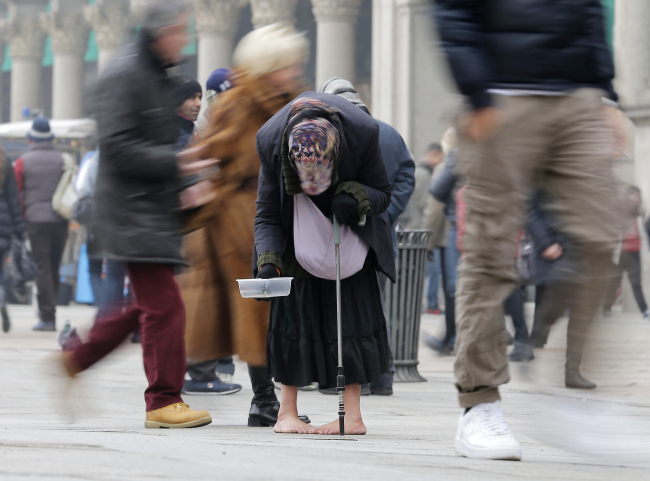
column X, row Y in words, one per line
column 451, row 257
column 434, row 273
column 113, row 286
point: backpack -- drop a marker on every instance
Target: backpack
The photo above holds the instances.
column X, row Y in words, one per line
column 65, row 197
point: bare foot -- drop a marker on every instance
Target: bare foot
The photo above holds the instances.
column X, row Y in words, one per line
column 351, row 427
column 291, row 424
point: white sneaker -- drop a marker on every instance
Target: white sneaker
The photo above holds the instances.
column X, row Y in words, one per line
column 483, row 433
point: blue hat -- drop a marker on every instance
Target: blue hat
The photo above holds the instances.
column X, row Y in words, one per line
column 219, row 80
column 40, row 130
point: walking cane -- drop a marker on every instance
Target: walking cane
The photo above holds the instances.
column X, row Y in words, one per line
column 340, row 378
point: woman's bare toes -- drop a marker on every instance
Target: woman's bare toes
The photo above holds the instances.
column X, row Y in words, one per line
column 351, row 427
column 292, row 424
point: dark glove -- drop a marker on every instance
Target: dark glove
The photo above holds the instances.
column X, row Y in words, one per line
column 345, row 209
column 268, row 271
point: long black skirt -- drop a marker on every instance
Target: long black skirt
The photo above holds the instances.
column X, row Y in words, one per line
column 302, row 341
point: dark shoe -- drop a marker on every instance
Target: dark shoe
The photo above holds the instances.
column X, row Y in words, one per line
column 267, row 416
column 574, row 380
column 537, row 343
column 6, row 322
column 45, row 326
column 521, row 353
column 440, row 346
column 214, row 387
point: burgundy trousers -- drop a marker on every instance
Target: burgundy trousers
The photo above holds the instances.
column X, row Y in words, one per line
column 159, row 311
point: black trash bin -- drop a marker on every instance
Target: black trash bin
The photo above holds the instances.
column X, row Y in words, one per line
column 404, row 301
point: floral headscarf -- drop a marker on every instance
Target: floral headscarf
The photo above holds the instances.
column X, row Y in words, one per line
column 313, row 143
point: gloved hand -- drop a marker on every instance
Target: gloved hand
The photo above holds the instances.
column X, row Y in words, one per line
column 345, row 209
column 268, row 271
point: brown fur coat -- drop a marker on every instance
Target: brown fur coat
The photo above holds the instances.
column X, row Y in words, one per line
column 220, row 248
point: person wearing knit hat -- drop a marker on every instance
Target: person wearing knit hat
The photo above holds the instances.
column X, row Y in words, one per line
column 38, row 173
column 188, row 94
column 40, row 131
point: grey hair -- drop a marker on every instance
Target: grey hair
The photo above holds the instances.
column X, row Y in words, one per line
column 162, row 13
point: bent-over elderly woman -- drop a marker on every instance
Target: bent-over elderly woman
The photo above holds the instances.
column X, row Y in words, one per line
column 320, row 158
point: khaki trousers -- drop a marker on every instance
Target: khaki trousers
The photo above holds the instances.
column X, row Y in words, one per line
column 563, row 144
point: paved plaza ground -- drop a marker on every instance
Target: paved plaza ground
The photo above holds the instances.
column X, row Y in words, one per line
column 566, row 435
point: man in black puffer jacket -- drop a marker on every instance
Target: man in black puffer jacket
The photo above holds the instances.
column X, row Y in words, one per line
column 536, row 75
column 136, row 216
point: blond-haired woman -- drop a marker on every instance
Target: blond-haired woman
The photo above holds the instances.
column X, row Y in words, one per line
column 267, row 74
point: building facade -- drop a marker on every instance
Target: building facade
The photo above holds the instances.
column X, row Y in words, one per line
column 53, row 50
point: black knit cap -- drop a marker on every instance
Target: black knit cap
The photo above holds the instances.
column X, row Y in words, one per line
column 186, row 88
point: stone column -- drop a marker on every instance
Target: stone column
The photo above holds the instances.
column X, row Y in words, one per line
column 69, row 35
column 216, row 24
column 335, row 42
column 267, row 12
column 23, row 30
column 111, row 21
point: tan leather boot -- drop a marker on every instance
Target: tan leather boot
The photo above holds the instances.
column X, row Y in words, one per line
column 177, row 415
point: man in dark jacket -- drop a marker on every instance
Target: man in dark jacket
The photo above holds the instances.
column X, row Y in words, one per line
column 38, row 173
column 401, row 174
column 188, row 95
column 534, row 77
column 136, row 215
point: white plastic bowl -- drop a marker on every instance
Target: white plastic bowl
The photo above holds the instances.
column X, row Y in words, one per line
column 262, row 288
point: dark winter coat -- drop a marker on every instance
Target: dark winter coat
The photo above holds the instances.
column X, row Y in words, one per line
column 11, row 217
column 40, row 170
column 136, row 211
column 361, row 161
column 185, row 132
column 400, row 169
column 556, row 45
column 444, row 187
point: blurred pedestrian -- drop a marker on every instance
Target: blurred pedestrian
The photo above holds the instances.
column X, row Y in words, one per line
column 38, row 173
column 267, row 74
column 400, row 169
column 444, row 189
column 557, row 271
column 321, row 158
column 203, row 378
column 630, row 256
column 414, row 218
column 136, row 212
column 534, row 78
column 11, row 223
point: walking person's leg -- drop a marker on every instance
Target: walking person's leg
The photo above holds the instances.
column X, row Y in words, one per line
column 514, row 305
column 499, row 172
column 59, row 238
column 633, row 267
column 39, row 239
column 433, row 272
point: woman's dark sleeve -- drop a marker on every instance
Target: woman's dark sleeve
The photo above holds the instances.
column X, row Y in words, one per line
column 539, row 228
column 442, row 187
column 269, row 231
column 372, row 175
